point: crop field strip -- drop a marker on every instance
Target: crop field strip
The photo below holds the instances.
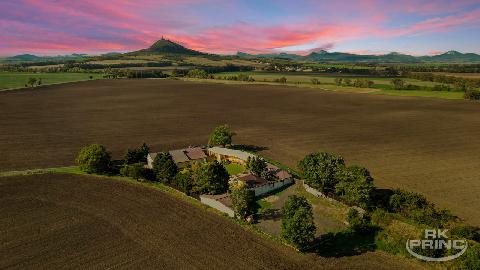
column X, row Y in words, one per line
column 425, row 145
column 49, row 221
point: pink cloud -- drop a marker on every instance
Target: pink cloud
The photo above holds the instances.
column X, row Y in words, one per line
column 47, row 26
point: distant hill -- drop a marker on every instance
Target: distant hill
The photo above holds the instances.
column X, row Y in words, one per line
column 165, row 46
column 324, row 56
column 34, row 58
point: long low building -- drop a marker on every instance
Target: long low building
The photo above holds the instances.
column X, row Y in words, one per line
column 182, row 157
column 232, row 155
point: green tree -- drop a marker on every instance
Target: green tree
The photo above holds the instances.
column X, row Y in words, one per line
column 210, row 178
column 347, row 81
column 94, row 159
column 31, row 82
column 164, row 167
column 256, row 165
column 243, row 202
column 221, row 135
column 355, row 185
column 358, row 222
column 143, row 152
column 137, row 155
column 293, row 203
column 298, row 226
column 183, row 181
column 320, row 170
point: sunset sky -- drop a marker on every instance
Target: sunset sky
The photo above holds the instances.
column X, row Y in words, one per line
column 50, row 27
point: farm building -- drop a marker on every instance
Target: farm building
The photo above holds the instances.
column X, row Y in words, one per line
column 182, row 157
column 231, row 155
column 261, row 186
column 279, row 173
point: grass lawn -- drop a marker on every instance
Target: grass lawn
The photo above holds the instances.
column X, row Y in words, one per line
column 10, row 80
column 234, row 168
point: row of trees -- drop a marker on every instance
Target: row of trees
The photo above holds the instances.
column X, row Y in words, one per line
column 361, row 83
column 239, row 77
column 400, row 84
column 329, row 174
column 204, row 178
column 354, row 185
column 459, row 82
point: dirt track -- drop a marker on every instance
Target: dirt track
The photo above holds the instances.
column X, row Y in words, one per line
column 426, row 145
column 80, row 222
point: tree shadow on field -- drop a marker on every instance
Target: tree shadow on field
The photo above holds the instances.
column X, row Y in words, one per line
column 345, row 243
column 249, row 148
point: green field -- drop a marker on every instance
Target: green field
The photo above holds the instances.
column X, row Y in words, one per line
column 381, row 85
column 9, row 80
column 292, row 77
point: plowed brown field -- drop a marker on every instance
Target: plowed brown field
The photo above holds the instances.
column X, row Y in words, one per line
column 426, row 145
column 56, row 221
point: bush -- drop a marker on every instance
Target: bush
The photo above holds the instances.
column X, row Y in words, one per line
column 210, row 178
column 135, row 171
column 358, row 222
column 467, row 232
column 198, row 73
column 471, row 259
column 94, row 159
column 416, row 207
column 164, row 167
column 472, row 94
column 256, row 165
column 221, row 135
column 243, row 202
column 298, row 227
column 320, row 170
column 183, row 181
column 355, row 186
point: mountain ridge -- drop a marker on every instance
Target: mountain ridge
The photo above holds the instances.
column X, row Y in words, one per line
column 168, row 47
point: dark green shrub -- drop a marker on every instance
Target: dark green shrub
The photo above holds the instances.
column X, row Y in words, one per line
column 135, row 171
column 137, row 155
column 256, row 165
column 358, row 222
column 210, row 178
column 183, row 182
column 472, row 94
column 164, row 167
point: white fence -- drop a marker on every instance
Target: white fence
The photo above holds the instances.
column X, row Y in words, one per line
column 217, row 205
column 269, row 187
